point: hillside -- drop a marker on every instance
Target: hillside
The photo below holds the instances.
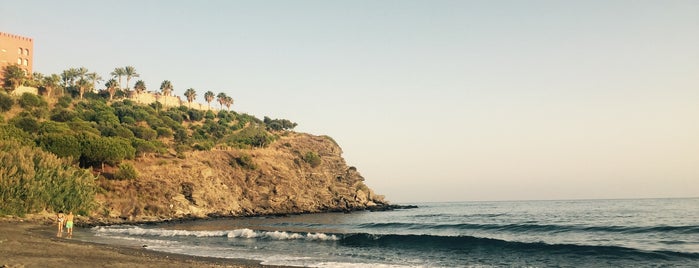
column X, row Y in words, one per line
column 130, row 162
column 213, row 183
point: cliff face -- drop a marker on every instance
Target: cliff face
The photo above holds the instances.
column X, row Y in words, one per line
column 236, row 182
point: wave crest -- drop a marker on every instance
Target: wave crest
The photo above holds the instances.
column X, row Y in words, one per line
column 237, row 233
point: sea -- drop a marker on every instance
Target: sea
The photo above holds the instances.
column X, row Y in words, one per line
column 572, row 233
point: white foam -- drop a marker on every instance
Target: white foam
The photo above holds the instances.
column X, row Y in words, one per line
column 238, row 233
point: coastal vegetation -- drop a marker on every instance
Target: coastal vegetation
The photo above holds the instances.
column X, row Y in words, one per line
column 60, row 142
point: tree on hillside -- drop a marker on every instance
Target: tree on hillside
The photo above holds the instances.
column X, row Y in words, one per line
column 228, row 102
column 13, row 77
column 139, row 87
column 36, row 80
column 112, row 86
column 118, row 73
column 94, row 78
column 191, row 94
column 130, row 72
column 83, row 85
column 68, row 77
column 221, row 99
column 82, row 72
column 209, row 97
column 105, row 150
column 166, row 88
column 51, row 83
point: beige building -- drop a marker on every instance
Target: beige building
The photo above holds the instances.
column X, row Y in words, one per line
column 15, row 49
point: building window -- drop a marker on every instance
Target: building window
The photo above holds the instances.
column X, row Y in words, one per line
column 19, row 51
column 19, row 61
column 26, row 51
column 26, row 62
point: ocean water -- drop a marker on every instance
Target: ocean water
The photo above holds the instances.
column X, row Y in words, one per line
column 580, row 233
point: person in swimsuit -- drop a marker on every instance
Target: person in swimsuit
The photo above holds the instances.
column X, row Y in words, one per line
column 60, row 217
column 69, row 224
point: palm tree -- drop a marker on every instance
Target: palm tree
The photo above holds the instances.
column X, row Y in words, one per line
column 14, row 76
column 209, row 97
column 94, row 78
column 37, row 80
column 221, row 98
column 166, row 87
column 81, row 72
column 139, row 87
column 112, row 86
column 82, row 85
column 50, row 83
column 68, row 77
column 228, row 102
column 118, row 73
column 130, row 72
column 191, row 94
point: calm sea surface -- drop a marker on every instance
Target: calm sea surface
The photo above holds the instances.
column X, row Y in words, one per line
column 581, row 233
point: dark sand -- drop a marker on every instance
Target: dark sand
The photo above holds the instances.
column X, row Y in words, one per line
column 33, row 243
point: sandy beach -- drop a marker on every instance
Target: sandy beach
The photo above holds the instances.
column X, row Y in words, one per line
column 33, row 243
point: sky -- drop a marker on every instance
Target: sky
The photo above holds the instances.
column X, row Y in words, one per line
column 432, row 101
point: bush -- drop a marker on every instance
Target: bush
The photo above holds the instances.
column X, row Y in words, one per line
column 312, row 158
column 252, row 136
column 144, row 147
column 243, row 161
column 64, row 101
column 144, row 132
column 28, row 100
column 6, row 102
column 203, row 145
column 34, row 180
column 10, row 132
column 164, row 132
column 61, row 145
column 26, row 123
column 63, row 115
column 126, row 172
column 47, row 127
column 105, row 150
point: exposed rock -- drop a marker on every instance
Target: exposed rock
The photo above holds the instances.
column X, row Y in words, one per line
column 221, row 183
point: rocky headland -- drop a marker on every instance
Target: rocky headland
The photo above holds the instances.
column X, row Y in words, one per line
column 273, row 180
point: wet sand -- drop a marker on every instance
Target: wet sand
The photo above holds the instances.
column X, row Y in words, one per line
column 33, row 243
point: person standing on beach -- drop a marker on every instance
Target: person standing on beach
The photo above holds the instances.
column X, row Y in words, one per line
column 59, row 218
column 69, row 224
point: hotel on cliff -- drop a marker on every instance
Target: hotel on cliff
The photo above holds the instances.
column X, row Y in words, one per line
column 15, row 49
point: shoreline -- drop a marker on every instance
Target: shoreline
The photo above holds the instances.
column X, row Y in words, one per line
column 33, row 243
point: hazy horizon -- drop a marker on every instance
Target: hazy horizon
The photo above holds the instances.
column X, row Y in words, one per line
column 432, row 101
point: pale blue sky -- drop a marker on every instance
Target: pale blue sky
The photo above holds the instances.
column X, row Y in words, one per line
column 430, row 100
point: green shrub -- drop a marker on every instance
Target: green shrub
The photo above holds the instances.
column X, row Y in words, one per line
column 64, row 101
column 243, row 161
column 252, row 136
column 34, row 180
column 144, row 132
column 26, row 123
column 105, row 150
column 128, row 120
column 10, row 132
column 126, row 172
column 61, row 145
column 195, row 115
column 312, row 158
column 28, row 100
column 63, row 115
column 47, row 127
column 203, row 145
column 6, row 102
column 164, row 132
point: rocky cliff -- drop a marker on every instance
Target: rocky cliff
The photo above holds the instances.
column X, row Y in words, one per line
column 278, row 179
